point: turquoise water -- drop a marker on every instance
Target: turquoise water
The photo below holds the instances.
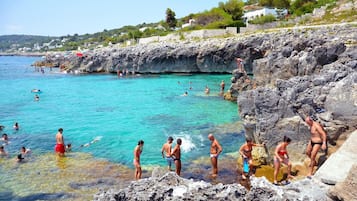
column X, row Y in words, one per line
column 112, row 112
column 116, row 111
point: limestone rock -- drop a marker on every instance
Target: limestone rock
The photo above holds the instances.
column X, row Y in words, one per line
column 345, row 190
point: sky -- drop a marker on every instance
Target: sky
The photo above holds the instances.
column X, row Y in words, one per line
column 63, row 17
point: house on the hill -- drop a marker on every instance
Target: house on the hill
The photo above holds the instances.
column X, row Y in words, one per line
column 252, row 14
column 190, row 23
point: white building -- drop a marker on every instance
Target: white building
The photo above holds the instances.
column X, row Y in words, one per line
column 143, row 29
column 250, row 15
column 190, row 23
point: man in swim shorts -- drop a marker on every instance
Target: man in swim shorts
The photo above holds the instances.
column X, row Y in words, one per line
column 215, row 150
column 137, row 152
column 317, row 141
column 176, row 154
column 167, row 149
column 246, row 152
column 60, row 148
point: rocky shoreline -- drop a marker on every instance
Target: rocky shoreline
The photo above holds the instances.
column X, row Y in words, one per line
column 296, row 72
column 24, row 54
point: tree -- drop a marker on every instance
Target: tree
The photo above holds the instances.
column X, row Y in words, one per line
column 170, row 18
column 250, row 2
column 233, row 7
column 275, row 3
column 281, row 3
column 268, row 3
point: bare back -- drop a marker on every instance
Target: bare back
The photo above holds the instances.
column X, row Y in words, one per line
column 59, row 138
column 167, row 149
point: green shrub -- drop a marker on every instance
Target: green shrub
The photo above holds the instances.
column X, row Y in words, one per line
column 263, row 19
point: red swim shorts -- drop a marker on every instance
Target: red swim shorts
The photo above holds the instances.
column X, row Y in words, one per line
column 59, row 148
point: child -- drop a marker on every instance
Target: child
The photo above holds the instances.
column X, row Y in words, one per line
column 69, row 147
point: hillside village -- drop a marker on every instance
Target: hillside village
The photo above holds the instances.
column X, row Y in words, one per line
column 255, row 17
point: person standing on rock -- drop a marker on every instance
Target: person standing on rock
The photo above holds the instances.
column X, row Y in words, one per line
column 176, row 154
column 246, row 152
column 240, row 66
column 222, row 85
column 215, row 150
column 281, row 156
column 166, row 148
column 317, row 141
column 137, row 152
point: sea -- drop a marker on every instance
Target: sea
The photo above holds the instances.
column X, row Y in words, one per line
column 103, row 117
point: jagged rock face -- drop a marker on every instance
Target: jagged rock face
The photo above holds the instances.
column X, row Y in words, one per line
column 172, row 187
column 313, row 72
column 209, row 56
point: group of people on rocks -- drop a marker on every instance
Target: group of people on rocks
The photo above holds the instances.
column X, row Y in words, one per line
column 318, row 140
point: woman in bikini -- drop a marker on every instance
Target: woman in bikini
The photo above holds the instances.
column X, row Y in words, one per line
column 246, row 153
column 137, row 151
column 281, row 156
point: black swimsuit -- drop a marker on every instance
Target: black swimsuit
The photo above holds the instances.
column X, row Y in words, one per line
column 314, row 143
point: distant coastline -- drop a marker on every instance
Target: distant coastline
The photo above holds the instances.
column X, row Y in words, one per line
column 27, row 54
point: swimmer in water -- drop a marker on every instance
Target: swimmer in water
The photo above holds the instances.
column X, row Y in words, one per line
column 5, row 138
column 16, row 126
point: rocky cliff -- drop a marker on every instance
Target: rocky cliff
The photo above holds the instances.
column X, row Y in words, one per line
column 214, row 55
column 296, row 72
column 303, row 72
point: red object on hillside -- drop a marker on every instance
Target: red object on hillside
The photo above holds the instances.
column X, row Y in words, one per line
column 79, row 54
